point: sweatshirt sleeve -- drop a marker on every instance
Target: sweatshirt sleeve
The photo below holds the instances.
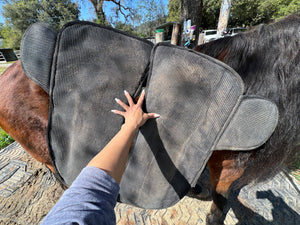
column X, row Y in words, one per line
column 89, row 200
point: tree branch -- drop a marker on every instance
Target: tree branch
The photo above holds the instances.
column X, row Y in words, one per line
column 122, row 8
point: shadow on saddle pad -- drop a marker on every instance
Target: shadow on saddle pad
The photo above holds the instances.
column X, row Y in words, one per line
column 85, row 66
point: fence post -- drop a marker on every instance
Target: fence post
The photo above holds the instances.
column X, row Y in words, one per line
column 175, row 34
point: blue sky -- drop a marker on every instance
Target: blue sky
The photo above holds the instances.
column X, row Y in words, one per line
column 86, row 9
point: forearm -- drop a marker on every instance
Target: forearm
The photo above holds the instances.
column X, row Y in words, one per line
column 113, row 157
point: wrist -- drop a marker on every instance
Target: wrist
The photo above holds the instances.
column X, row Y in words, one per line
column 129, row 128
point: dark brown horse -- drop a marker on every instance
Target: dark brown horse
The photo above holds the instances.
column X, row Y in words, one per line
column 268, row 60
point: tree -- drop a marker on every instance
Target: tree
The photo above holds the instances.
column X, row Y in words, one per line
column 174, row 7
column 58, row 12
column 244, row 13
column 275, row 9
column 292, row 6
column 128, row 28
column 19, row 14
column 210, row 14
column 192, row 10
column 11, row 37
column 152, row 13
column 119, row 9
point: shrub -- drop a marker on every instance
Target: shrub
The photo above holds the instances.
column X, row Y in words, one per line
column 5, row 139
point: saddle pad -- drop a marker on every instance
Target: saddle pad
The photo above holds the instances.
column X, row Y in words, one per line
column 91, row 66
column 200, row 101
column 196, row 97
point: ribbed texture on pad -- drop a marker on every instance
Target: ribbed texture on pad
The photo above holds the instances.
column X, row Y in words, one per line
column 37, row 50
column 250, row 126
column 93, row 65
column 194, row 94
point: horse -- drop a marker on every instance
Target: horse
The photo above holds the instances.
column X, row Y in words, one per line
column 267, row 58
column 24, row 112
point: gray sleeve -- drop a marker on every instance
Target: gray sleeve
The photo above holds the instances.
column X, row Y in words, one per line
column 90, row 200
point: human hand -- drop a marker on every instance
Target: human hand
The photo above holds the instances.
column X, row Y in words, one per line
column 134, row 115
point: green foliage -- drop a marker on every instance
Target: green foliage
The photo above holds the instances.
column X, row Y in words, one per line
column 174, row 7
column 128, row 28
column 58, row 12
column 275, row 9
column 248, row 12
column 11, row 37
column 244, row 12
column 5, row 139
column 19, row 14
column 292, row 7
column 210, row 13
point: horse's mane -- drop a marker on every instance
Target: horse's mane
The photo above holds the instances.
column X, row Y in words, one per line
column 268, row 60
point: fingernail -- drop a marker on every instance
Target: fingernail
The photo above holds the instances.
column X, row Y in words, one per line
column 116, row 99
column 143, row 91
column 113, row 111
column 125, row 92
column 156, row 115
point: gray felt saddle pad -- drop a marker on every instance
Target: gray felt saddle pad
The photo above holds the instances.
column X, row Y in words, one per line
column 196, row 97
column 200, row 101
column 91, row 65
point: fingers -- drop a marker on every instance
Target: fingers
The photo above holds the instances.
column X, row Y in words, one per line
column 141, row 99
column 127, row 108
column 122, row 104
column 118, row 112
column 152, row 115
column 129, row 99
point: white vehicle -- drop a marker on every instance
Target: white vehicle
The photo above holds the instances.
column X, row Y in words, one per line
column 208, row 35
column 234, row 31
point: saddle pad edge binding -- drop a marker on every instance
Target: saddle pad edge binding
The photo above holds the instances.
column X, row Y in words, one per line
column 51, row 107
column 79, row 22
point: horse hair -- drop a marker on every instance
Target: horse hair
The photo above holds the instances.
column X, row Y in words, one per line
column 268, row 60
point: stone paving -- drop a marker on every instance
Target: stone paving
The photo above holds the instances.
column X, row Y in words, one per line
column 28, row 190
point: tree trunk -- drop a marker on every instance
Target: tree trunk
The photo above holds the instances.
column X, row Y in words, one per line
column 98, row 6
column 191, row 9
